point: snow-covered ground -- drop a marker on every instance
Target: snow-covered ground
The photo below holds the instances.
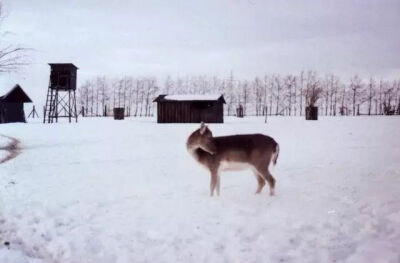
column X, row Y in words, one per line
column 4, row 141
column 127, row 191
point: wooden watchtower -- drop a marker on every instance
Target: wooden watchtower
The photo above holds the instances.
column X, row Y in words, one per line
column 61, row 99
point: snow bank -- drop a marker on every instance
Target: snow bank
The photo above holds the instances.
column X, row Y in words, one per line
column 108, row 191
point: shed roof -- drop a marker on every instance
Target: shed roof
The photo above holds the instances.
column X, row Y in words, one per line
column 195, row 97
column 16, row 94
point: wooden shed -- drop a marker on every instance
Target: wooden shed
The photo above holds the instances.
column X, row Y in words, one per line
column 12, row 105
column 190, row 108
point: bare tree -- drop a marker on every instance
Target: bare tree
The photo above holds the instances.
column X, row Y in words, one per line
column 326, row 92
column 343, row 101
column 142, row 93
column 149, row 94
column 334, row 87
column 102, row 87
column 265, row 94
column 257, row 88
column 356, row 86
column 371, row 94
column 277, row 93
column 12, row 56
column 295, row 95
column 246, row 95
column 290, row 83
column 381, row 96
column 130, row 91
column 313, row 90
column 169, row 85
column 137, row 91
column 84, row 94
column 229, row 93
column 389, row 97
column 398, row 97
column 301, row 91
column 238, row 95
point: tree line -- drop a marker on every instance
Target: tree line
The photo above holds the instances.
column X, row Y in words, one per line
column 98, row 97
column 274, row 94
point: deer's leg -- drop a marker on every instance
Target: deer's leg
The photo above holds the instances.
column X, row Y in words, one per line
column 271, row 181
column 214, row 182
column 261, row 182
column 218, row 182
column 264, row 172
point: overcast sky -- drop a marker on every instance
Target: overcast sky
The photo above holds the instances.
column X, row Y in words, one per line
column 177, row 38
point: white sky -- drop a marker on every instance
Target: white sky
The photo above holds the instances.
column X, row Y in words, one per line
column 177, row 38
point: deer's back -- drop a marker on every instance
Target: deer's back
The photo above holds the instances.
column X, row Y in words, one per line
column 242, row 148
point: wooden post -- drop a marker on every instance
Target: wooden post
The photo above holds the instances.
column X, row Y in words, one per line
column 56, row 108
column 75, row 111
column 266, row 113
column 69, row 106
column 33, row 113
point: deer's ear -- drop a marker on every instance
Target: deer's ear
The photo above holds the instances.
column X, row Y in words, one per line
column 202, row 125
column 203, row 128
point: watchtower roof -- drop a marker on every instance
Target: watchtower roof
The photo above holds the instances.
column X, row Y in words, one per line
column 68, row 65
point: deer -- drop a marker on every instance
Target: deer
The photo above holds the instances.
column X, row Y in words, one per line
column 234, row 153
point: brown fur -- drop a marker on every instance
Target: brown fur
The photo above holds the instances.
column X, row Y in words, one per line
column 224, row 153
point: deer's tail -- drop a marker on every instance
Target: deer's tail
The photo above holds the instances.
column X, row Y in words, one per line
column 276, row 154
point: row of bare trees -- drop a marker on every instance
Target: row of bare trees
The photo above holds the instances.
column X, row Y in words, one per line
column 98, row 97
column 266, row 95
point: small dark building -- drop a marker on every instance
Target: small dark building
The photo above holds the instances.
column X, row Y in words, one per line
column 12, row 105
column 312, row 113
column 239, row 111
column 190, row 108
column 119, row 113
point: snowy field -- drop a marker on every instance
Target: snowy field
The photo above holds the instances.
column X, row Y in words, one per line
column 127, row 191
column 4, row 141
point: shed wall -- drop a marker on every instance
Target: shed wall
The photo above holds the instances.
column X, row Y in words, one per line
column 11, row 112
column 189, row 112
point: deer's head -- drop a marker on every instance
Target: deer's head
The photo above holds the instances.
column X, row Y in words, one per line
column 202, row 138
